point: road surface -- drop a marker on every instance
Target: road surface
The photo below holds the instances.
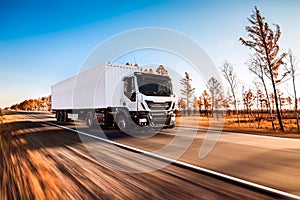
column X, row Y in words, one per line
column 42, row 161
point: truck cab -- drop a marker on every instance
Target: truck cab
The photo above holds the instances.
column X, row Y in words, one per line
column 149, row 99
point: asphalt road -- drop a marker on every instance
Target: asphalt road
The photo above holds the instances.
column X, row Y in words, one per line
column 59, row 163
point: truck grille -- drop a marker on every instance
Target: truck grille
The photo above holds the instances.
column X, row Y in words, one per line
column 159, row 118
column 159, row 106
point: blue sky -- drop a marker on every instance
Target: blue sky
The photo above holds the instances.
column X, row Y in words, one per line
column 43, row 42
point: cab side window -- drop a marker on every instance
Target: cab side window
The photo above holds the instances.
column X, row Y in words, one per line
column 129, row 90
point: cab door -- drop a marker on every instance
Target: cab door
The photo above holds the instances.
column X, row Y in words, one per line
column 129, row 94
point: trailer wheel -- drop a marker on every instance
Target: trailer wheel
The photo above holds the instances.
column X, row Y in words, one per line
column 89, row 119
column 65, row 116
column 59, row 116
column 122, row 123
column 56, row 115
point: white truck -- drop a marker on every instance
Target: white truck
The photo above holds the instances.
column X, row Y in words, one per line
column 115, row 95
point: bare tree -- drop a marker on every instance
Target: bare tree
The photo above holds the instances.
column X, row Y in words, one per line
column 187, row 90
column 256, row 66
column 248, row 99
column 259, row 103
column 231, row 78
column 224, row 101
column 206, row 101
column 195, row 104
column 282, row 101
column 265, row 43
column 200, row 104
column 181, row 104
column 215, row 88
column 272, row 101
column 290, row 102
column 292, row 72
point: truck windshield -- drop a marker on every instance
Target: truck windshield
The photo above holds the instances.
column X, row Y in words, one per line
column 154, row 85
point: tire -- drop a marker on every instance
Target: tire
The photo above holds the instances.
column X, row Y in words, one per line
column 171, row 126
column 59, row 115
column 122, row 123
column 63, row 116
column 56, row 115
column 89, row 119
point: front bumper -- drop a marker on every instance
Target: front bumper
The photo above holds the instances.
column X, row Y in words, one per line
column 154, row 119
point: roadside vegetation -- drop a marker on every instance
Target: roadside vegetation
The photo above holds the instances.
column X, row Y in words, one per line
column 40, row 104
column 263, row 105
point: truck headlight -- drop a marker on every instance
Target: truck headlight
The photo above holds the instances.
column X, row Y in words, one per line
column 143, row 120
column 173, row 118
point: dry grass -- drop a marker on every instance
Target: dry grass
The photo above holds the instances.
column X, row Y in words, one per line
column 231, row 124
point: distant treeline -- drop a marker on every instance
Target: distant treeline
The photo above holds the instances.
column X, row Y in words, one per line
column 40, row 104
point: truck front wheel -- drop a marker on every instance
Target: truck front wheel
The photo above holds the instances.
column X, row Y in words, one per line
column 122, row 123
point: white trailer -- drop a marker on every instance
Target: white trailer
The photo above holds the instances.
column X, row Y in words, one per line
column 115, row 95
